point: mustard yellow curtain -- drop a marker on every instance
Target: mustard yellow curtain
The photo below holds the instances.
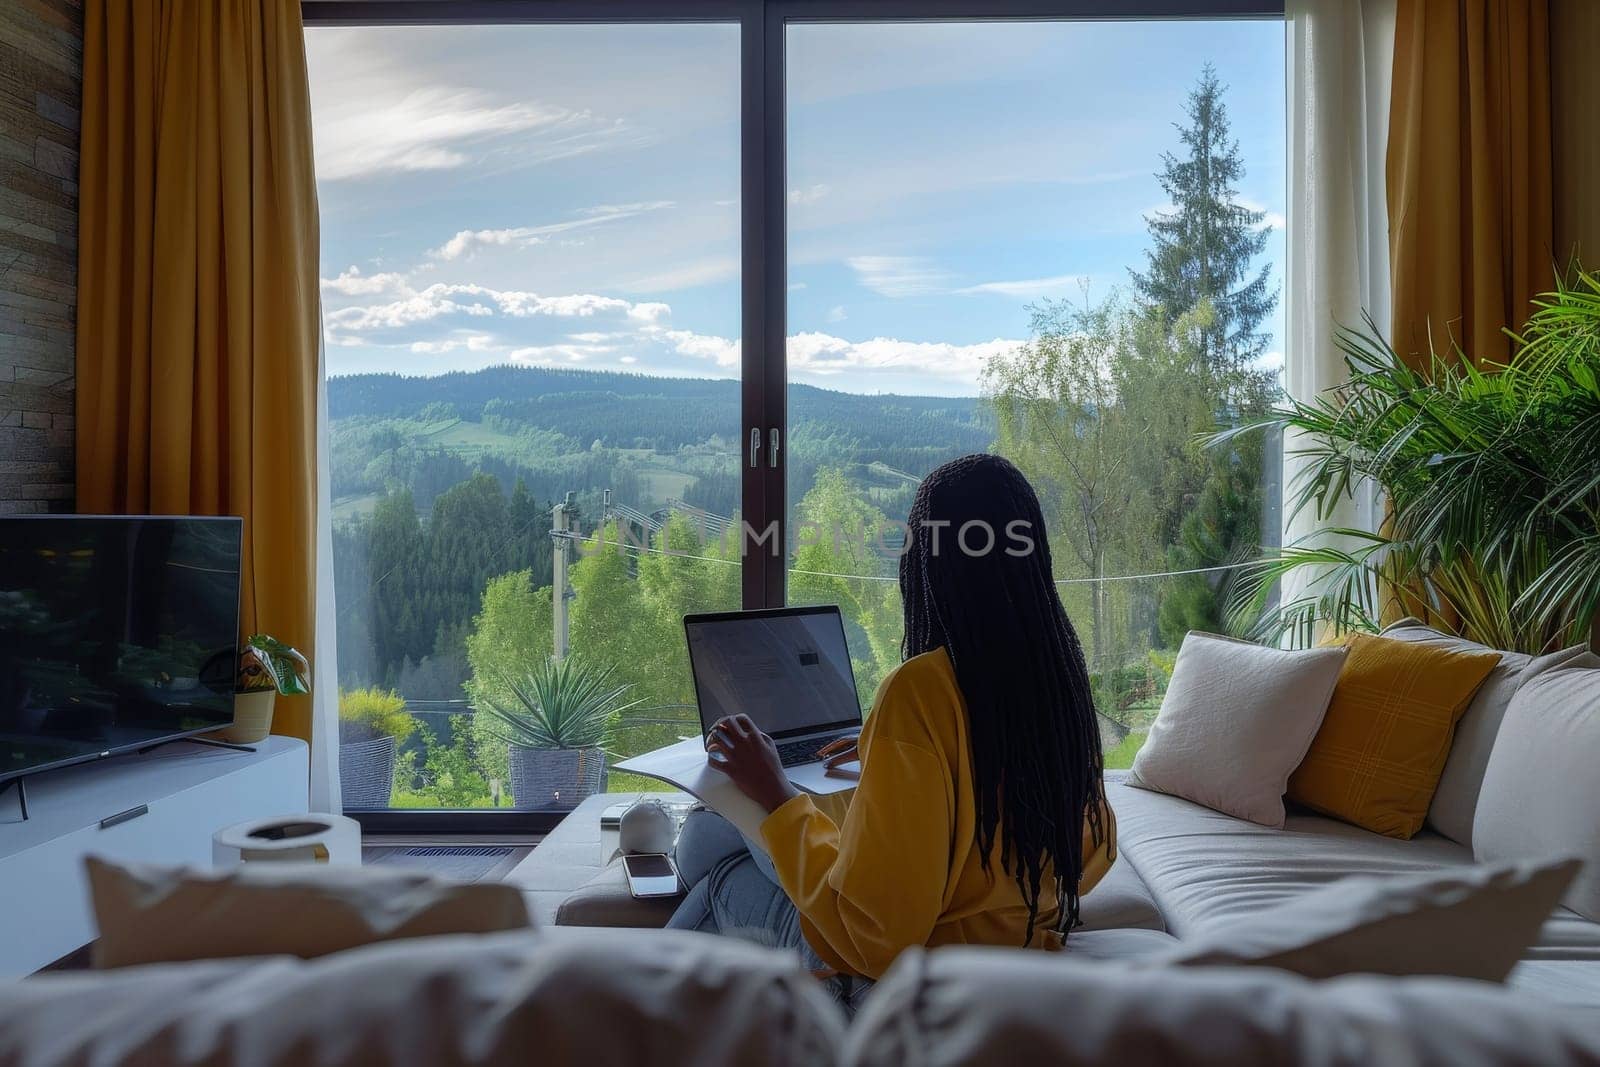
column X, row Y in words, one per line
column 198, row 317
column 1471, row 236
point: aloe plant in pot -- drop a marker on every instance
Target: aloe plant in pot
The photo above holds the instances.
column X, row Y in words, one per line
column 267, row 667
column 556, row 720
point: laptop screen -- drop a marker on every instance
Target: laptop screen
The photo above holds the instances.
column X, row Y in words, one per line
column 786, row 668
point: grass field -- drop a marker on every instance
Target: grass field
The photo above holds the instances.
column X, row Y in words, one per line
column 1120, row 758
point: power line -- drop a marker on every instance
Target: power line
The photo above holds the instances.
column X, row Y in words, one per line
column 653, row 551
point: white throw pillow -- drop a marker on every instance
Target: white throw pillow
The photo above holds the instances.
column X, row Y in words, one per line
column 1236, row 721
column 1456, row 799
column 1465, row 922
column 150, row 914
column 1541, row 792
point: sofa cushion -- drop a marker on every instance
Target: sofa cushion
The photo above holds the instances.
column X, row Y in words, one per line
column 982, row 1006
column 1377, row 758
column 1456, row 799
column 1236, row 720
column 1541, row 793
column 1203, row 867
column 1462, row 922
column 602, row 997
column 150, row 914
column 1119, row 901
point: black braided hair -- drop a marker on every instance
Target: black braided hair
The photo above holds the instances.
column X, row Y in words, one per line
column 1036, row 756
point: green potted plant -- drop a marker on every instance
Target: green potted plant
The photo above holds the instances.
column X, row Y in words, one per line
column 267, row 667
column 556, row 721
column 1492, row 486
column 372, row 724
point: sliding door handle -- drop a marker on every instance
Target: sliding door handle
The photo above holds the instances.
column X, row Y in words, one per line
column 774, row 446
column 755, row 446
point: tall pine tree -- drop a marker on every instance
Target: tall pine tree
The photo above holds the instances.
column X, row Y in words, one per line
column 1205, row 248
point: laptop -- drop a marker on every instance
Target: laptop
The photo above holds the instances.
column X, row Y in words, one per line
column 787, row 668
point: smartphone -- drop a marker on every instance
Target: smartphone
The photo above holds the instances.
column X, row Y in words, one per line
column 650, row 874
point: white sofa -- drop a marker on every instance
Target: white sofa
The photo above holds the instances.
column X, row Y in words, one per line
column 1202, row 868
column 636, row 997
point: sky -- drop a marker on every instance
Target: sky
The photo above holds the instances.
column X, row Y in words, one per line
column 568, row 195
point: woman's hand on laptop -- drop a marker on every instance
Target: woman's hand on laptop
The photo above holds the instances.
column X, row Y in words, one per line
column 748, row 756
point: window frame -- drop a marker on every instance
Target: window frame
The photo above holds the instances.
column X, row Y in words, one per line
column 763, row 205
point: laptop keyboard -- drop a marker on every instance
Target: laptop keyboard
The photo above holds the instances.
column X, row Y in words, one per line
column 801, row 750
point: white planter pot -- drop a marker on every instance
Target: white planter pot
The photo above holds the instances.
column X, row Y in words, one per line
column 252, row 717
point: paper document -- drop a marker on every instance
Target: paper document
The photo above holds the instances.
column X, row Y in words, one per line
column 684, row 765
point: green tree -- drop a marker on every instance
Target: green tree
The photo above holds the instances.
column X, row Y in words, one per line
column 1204, row 249
column 513, row 631
column 841, row 533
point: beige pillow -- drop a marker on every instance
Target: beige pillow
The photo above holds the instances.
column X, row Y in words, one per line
column 150, row 914
column 997, row 1007
column 1236, row 721
column 1466, row 922
column 1541, row 791
column 1456, row 798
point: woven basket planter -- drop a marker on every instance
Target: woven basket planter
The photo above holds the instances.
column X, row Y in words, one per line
column 545, row 779
column 366, row 772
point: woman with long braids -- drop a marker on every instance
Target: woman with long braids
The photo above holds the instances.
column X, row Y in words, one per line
column 980, row 816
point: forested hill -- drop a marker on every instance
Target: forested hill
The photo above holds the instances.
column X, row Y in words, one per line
column 635, row 410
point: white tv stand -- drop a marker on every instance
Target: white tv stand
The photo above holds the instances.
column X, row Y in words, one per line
column 160, row 806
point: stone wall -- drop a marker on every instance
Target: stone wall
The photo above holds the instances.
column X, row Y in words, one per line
column 41, row 63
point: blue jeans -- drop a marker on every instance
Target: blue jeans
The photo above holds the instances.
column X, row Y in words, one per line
column 734, row 891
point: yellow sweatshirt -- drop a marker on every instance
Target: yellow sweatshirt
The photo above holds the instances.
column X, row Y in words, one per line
column 897, row 863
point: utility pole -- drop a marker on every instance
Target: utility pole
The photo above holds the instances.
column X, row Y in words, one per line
column 561, row 517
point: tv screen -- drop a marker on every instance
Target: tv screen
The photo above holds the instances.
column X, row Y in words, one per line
column 114, row 633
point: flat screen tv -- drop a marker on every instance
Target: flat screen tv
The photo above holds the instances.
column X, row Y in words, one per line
column 115, row 633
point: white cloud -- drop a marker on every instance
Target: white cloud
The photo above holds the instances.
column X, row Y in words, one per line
column 650, row 312
column 353, row 283
column 898, row 276
column 810, row 194
column 1271, row 219
column 431, row 303
column 716, row 350
column 467, row 242
column 1028, row 289
column 838, row 314
column 558, row 353
column 441, row 299
column 470, row 342
column 825, row 355
column 430, row 128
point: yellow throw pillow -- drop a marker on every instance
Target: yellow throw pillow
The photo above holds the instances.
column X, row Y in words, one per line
column 1377, row 758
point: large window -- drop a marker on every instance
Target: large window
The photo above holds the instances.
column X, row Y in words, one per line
column 544, row 239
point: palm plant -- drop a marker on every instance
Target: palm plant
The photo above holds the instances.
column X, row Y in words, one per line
column 559, row 704
column 1491, row 478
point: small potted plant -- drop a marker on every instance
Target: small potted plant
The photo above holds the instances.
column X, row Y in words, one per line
column 372, row 724
column 267, row 667
column 556, row 721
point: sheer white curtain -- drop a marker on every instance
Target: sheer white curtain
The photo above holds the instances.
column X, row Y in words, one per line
column 325, row 688
column 1340, row 62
